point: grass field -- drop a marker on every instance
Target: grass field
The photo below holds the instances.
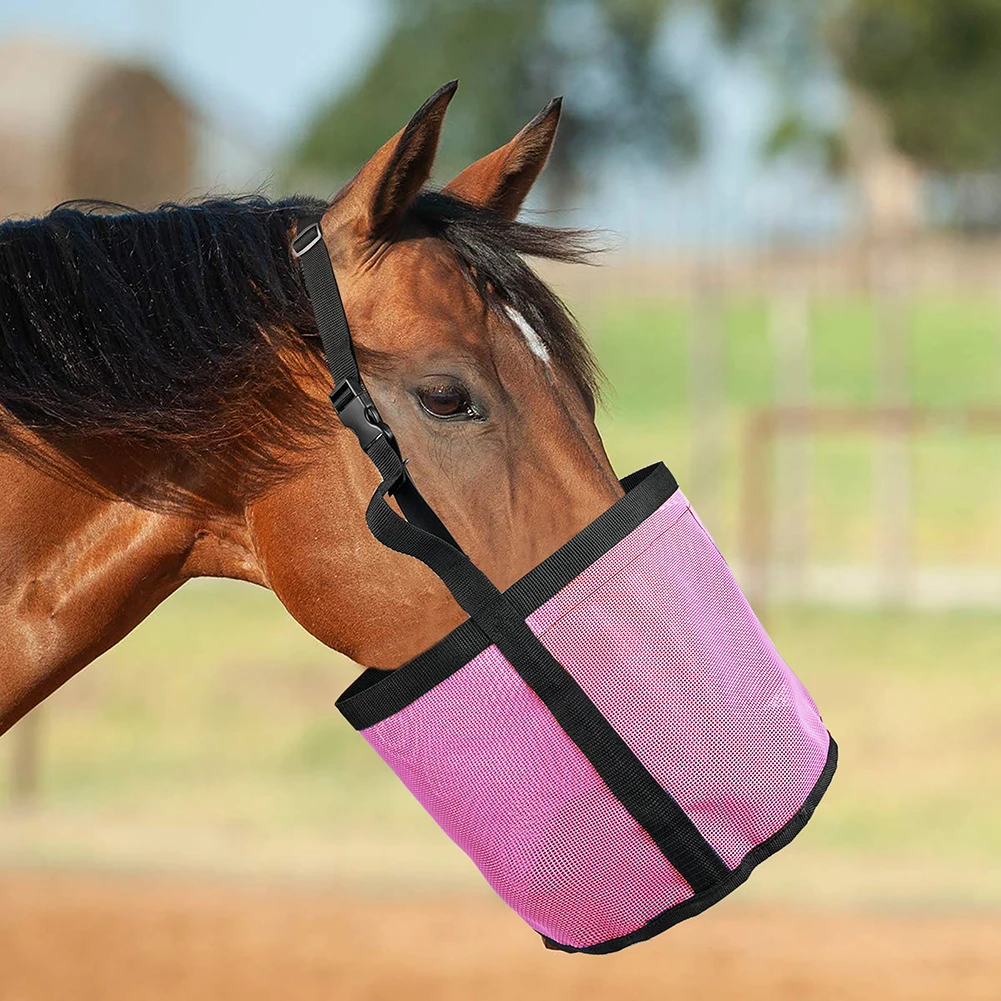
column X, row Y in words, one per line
column 954, row 361
column 208, row 739
column 954, row 356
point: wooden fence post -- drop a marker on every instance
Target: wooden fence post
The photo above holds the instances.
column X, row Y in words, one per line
column 892, row 474
column 790, row 336
column 756, row 513
column 706, row 396
column 25, row 740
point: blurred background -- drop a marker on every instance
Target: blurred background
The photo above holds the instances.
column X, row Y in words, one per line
column 799, row 311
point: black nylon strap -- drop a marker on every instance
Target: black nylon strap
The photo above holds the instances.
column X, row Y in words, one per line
column 335, row 335
column 422, row 535
column 325, row 297
column 469, row 585
column 653, row 808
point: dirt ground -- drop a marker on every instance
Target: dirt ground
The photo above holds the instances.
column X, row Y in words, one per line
column 106, row 937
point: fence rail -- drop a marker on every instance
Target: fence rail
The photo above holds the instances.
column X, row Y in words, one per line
column 763, row 427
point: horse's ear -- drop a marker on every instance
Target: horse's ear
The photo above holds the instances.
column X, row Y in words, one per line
column 501, row 180
column 375, row 200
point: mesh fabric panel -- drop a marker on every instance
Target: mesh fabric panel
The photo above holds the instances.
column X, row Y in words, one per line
column 669, row 650
column 659, row 636
column 487, row 760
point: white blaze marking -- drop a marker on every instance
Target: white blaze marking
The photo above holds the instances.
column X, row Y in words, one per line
column 534, row 340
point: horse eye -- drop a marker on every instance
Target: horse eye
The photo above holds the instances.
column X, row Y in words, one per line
column 446, row 401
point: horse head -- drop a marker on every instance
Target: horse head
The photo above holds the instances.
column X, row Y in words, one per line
column 164, row 414
column 476, row 366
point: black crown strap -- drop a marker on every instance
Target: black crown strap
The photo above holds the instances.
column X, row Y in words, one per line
column 325, row 296
column 349, row 397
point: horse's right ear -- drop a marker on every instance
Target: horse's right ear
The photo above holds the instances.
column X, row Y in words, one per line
column 502, row 179
column 373, row 202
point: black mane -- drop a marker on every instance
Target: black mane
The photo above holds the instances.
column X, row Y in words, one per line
column 138, row 323
column 147, row 324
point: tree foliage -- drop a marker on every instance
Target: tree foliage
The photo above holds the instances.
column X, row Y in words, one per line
column 511, row 57
column 932, row 66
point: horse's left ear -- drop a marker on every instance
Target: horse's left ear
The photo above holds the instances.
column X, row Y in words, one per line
column 501, row 180
column 375, row 200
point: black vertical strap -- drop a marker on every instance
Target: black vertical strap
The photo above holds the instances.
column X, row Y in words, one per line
column 325, row 297
column 653, row 808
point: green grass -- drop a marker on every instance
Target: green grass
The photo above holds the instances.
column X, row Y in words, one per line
column 954, row 360
column 954, row 351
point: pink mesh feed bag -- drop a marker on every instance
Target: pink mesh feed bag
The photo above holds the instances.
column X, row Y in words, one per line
column 614, row 740
column 628, row 765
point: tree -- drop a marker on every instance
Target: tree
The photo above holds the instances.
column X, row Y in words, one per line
column 931, row 67
column 512, row 57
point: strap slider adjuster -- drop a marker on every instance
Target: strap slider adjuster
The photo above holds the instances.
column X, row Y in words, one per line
column 357, row 411
column 306, row 240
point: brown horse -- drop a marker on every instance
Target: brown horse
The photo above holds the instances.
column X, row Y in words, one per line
column 164, row 411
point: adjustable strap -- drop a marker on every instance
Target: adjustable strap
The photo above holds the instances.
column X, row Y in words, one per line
column 308, row 247
column 349, row 397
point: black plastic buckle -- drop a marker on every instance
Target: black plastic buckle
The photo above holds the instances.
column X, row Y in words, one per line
column 306, row 240
column 357, row 411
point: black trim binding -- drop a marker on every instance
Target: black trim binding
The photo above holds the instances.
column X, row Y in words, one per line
column 702, row 901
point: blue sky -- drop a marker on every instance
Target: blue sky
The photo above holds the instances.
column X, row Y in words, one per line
column 264, row 63
column 258, row 69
